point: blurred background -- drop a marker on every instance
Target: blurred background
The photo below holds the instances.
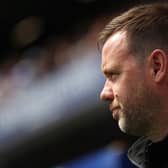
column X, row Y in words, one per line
column 50, row 80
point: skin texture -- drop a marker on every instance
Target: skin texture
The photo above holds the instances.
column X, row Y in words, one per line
column 134, row 90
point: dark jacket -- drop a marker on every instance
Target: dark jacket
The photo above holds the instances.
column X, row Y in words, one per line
column 145, row 154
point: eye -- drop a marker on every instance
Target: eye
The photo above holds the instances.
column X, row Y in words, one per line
column 114, row 76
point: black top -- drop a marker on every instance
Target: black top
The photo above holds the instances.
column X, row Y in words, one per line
column 145, row 154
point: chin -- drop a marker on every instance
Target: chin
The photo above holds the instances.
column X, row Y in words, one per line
column 128, row 128
column 123, row 126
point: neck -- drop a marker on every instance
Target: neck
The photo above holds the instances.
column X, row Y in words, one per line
column 160, row 130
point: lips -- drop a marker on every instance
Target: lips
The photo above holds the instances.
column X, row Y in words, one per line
column 112, row 108
column 115, row 112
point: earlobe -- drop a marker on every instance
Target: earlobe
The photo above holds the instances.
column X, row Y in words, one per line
column 159, row 64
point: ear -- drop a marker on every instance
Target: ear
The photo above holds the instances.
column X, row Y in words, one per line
column 158, row 64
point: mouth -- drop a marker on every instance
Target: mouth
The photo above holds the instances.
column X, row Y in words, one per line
column 115, row 112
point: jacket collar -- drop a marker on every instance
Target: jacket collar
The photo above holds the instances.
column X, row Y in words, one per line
column 143, row 153
column 137, row 152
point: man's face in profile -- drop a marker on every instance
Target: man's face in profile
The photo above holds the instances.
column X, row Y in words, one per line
column 132, row 102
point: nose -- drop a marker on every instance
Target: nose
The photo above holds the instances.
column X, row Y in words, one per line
column 107, row 92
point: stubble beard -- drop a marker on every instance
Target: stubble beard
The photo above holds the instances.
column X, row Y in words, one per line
column 138, row 112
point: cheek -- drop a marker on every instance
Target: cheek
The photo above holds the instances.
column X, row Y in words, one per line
column 125, row 91
column 127, row 86
column 120, row 94
column 121, row 88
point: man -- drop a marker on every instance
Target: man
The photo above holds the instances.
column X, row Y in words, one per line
column 135, row 65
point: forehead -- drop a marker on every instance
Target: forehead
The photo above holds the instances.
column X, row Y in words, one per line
column 115, row 49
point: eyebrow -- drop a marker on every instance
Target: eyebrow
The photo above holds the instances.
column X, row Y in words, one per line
column 108, row 72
